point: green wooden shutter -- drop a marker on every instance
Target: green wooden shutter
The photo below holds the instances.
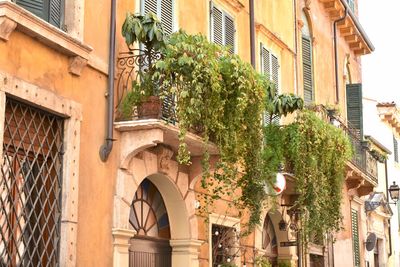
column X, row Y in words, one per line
column 356, row 239
column 396, row 149
column 37, row 7
column 56, row 12
column 229, row 33
column 307, row 70
column 354, row 107
column 51, row 11
column 167, row 17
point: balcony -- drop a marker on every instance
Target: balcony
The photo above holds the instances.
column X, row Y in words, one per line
column 148, row 131
column 361, row 170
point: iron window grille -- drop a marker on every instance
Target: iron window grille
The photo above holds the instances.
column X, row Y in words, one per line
column 30, row 186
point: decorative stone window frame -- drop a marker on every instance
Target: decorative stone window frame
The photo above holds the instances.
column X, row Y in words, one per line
column 72, row 111
column 14, row 17
column 224, row 221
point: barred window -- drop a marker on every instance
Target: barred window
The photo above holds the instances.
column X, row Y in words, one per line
column 30, row 186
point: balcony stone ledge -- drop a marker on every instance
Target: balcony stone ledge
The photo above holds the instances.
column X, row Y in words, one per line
column 138, row 135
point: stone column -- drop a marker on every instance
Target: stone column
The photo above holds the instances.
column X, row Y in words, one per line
column 185, row 252
column 121, row 244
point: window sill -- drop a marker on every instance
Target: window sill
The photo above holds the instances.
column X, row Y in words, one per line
column 14, row 17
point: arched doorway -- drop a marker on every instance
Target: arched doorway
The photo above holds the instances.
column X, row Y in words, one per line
column 270, row 241
column 148, row 216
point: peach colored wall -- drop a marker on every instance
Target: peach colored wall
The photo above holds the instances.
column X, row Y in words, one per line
column 32, row 61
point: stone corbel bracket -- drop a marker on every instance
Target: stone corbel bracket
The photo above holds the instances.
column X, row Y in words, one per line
column 14, row 17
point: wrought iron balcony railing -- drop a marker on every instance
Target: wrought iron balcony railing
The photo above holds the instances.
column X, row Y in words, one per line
column 132, row 66
column 362, row 156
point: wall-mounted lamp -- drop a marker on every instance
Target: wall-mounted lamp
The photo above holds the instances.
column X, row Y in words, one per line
column 394, row 192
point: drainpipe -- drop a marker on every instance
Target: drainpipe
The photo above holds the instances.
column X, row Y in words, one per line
column 387, row 197
column 295, row 48
column 252, row 35
column 106, row 148
column 336, row 51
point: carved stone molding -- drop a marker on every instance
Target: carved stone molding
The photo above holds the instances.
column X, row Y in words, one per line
column 76, row 64
column 7, row 26
column 164, row 155
column 235, row 4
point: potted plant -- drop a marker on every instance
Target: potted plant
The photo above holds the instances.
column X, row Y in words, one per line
column 147, row 31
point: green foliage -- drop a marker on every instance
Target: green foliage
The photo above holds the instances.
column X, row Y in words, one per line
column 317, row 152
column 224, row 97
column 228, row 265
column 282, row 105
column 262, row 261
column 145, row 29
column 284, row 263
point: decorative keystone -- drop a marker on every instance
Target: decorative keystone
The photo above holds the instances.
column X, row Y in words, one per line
column 7, row 26
column 76, row 64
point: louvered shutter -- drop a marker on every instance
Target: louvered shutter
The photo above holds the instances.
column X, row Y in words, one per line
column 150, row 6
column 229, row 33
column 356, row 239
column 265, row 65
column 217, row 17
column 56, row 12
column 354, row 108
column 275, row 71
column 37, row 7
column 167, row 18
column 396, row 149
column 275, row 80
column 307, row 70
column 51, row 11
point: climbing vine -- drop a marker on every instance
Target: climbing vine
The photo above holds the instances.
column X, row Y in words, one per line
column 317, row 152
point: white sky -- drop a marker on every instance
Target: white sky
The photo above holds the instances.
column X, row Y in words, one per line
column 381, row 71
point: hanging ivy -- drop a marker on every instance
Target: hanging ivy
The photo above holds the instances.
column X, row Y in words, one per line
column 317, row 152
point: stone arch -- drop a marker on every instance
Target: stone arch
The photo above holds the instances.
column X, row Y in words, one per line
column 156, row 164
column 287, row 253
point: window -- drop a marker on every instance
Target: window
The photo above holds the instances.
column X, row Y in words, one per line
column 395, row 149
column 354, row 108
column 351, row 5
column 51, row 11
column 164, row 9
column 270, row 68
column 30, row 187
column 356, row 241
column 222, row 28
column 224, row 245
column 306, row 51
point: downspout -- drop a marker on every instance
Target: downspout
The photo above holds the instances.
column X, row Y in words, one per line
column 295, row 49
column 387, row 197
column 106, row 148
column 252, row 35
column 336, row 51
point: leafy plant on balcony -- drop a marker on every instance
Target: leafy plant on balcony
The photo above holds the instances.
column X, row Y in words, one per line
column 147, row 31
column 222, row 96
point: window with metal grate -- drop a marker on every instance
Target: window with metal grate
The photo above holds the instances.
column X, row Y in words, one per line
column 51, row 11
column 356, row 239
column 222, row 28
column 30, row 187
